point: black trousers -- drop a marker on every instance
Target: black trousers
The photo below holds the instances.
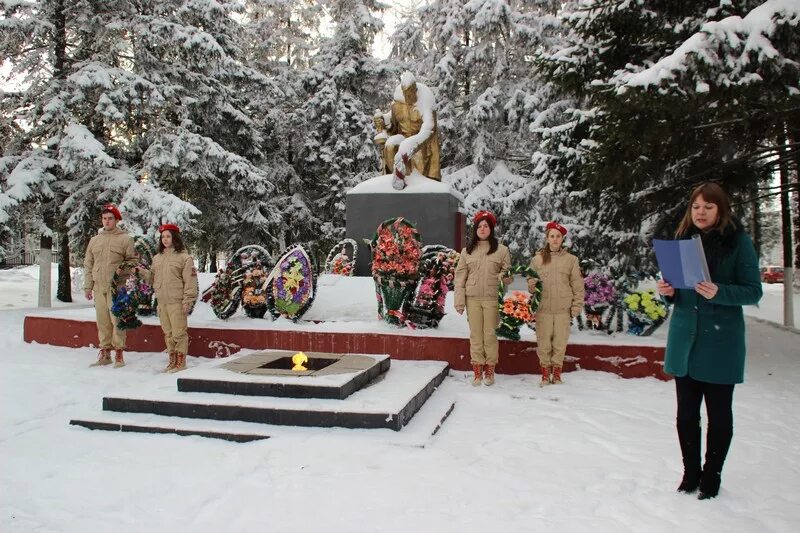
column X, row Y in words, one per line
column 719, row 410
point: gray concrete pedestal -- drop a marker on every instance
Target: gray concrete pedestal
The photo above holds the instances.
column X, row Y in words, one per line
column 433, row 208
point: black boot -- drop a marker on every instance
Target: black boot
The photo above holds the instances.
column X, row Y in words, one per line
column 709, row 485
column 717, row 444
column 689, row 437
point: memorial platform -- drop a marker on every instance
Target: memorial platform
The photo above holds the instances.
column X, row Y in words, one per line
column 625, row 355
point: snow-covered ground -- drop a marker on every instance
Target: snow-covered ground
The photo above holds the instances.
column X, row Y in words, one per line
column 771, row 306
column 598, row 454
column 342, row 304
column 19, row 288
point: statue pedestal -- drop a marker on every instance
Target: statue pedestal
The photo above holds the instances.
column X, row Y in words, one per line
column 432, row 206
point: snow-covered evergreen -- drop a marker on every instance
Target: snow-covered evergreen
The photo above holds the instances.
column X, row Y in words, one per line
column 342, row 87
column 637, row 151
column 247, row 121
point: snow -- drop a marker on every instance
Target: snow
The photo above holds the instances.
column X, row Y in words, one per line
column 78, row 144
column 407, row 79
column 31, row 175
column 750, row 34
column 598, row 454
column 19, row 289
column 426, row 102
column 342, row 305
column 770, row 307
column 401, row 382
column 209, row 370
column 415, row 183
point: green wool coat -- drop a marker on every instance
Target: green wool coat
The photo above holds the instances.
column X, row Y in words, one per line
column 706, row 337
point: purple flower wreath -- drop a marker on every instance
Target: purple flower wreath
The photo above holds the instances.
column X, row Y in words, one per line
column 293, row 285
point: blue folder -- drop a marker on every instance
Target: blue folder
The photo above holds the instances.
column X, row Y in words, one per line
column 683, row 262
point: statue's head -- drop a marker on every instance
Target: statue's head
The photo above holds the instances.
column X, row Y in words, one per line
column 408, row 84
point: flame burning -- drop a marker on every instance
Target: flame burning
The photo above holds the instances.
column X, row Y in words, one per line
column 298, row 359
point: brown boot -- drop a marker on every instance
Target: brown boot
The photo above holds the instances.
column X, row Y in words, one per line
column 119, row 360
column 172, row 360
column 180, row 363
column 545, row 377
column 103, row 358
column 488, row 378
column 557, row 375
column 478, row 375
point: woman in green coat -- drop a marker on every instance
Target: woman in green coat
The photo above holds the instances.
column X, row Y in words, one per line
column 706, row 342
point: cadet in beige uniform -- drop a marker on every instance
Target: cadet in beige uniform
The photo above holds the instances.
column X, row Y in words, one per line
column 562, row 299
column 106, row 252
column 174, row 280
column 478, row 273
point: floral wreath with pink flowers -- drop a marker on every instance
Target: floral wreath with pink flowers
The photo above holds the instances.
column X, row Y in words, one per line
column 396, row 251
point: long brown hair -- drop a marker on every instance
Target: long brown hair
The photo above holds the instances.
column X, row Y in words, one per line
column 177, row 242
column 545, row 250
column 714, row 194
column 473, row 241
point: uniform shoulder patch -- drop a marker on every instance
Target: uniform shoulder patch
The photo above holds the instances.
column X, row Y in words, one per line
column 194, row 272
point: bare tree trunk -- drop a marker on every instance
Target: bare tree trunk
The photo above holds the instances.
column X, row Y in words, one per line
column 797, row 224
column 786, row 231
column 755, row 224
column 794, row 137
column 59, row 22
column 64, row 291
column 212, row 254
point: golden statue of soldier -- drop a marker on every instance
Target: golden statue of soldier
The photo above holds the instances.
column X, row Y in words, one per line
column 408, row 133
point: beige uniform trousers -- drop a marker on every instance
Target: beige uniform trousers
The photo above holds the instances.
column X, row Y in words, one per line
column 483, row 317
column 552, row 333
column 110, row 336
column 174, row 326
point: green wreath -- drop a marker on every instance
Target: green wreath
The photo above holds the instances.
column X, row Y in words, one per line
column 530, row 272
column 126, row 299
column 227, row 291
column 509, row 325
column 144, row 247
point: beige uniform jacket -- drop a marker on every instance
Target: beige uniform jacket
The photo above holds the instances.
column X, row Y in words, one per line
column 173, row 277
column 562, row 283
column 106, row 251
column 478, row 273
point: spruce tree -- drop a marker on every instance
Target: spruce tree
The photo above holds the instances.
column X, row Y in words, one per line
column 340, row 90
column 640, row 149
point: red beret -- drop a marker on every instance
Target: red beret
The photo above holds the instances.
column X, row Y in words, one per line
column 111, row 208
column 171, row 227
column 484, row 215
column 556, row 225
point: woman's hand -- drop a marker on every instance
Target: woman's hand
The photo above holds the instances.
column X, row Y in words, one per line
column 665, row 289
column 532, row 284
column 706, row 289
